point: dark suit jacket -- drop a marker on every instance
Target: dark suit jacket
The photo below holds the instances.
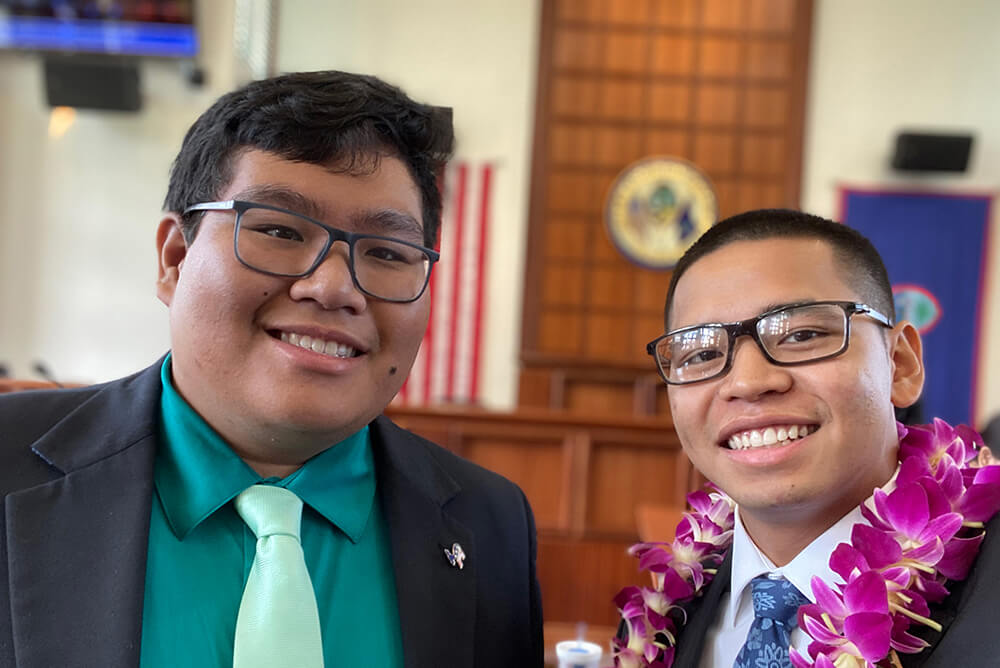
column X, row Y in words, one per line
column 969, row 636
column 76, row 481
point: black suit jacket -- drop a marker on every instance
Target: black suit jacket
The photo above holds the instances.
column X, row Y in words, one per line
column 76, row 481
column 968, row 636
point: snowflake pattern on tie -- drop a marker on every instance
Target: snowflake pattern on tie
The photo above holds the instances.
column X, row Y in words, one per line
column 776, row 604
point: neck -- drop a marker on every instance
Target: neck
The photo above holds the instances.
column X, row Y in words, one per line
column 781, row 534
column 270, row 469
column 276, row 452
column 782, row 542
column 279, row 456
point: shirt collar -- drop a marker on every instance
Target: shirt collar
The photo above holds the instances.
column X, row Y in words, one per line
column 196, row 472
column 813, row 561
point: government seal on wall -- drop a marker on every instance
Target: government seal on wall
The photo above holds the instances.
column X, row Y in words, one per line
column 657, row 208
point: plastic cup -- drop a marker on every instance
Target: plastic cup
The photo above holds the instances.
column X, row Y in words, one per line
column 578, row 654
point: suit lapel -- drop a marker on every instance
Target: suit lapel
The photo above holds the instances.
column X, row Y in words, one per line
column 437, row 601
column 691, row 640
column 96, row 514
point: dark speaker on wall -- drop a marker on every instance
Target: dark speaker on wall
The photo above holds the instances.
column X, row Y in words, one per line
column 928, row 152
column 104, row 83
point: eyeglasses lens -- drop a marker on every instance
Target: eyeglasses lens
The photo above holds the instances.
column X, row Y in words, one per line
column 281, row 243
column 804, row 333
column 793, row 335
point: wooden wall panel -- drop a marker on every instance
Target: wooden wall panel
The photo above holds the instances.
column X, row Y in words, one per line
column 721, row 57
column 720, row 83
column 768, row 60
column 673, row 54
column 566, row 239
column 625, row 478
column 537, row 466
column 669, row 102
column 579, row 579
column 722, row 14
column 717, row 104
column 600, row 398
column 772, row 15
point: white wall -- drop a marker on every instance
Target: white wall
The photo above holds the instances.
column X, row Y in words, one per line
column 879, row 67
column 78, row 214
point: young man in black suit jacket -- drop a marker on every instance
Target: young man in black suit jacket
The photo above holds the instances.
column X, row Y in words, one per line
column 294, row 258
column 783, row 366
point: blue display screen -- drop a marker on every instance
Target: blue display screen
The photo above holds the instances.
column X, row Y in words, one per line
column 69, row 30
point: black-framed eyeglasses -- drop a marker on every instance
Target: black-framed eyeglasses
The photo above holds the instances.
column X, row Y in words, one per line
column 789, row 335
column 279, row 242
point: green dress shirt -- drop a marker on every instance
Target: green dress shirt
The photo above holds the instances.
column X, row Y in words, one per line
column 200, row 551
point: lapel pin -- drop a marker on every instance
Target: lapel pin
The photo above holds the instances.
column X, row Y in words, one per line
column 456, row 557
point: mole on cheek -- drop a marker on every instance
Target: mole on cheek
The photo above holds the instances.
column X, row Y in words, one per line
column 392, row 371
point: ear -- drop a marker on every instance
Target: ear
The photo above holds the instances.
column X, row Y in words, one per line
column 171, row 249
column 985, row 457
column 906, row 351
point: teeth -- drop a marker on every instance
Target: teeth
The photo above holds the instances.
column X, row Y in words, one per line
column 778, row 435
column 329, row 348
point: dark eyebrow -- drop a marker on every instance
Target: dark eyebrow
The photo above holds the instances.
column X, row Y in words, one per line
column 772, row 306
column 283, row 197
column 381, row 222
column 389, row 223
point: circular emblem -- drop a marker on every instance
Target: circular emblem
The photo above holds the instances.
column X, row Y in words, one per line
column 918, row 305
column 657, row 208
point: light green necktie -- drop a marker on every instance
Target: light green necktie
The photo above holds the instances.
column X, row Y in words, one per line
column 278, row 622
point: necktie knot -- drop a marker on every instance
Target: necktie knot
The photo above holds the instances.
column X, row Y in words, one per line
column 776, row 599
column 270, row 511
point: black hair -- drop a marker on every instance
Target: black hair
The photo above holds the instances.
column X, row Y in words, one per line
column 336, row 119
column 860, row 263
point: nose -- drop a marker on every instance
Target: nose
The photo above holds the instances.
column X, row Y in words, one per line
column 751, row 375
column 330, row 284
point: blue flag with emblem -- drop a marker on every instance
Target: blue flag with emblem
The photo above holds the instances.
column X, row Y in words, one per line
column 934, row 247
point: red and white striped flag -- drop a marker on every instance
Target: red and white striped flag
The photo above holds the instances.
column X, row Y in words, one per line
column 447, row 368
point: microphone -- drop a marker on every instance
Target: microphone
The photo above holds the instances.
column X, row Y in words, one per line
column 42, row 370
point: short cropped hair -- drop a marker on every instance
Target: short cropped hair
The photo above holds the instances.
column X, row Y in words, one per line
column 343, row 121
column 861, row 265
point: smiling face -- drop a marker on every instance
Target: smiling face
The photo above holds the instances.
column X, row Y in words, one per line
column 844, row 404
column 237, row 336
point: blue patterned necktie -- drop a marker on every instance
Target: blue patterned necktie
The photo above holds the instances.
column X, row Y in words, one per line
column 776, row 605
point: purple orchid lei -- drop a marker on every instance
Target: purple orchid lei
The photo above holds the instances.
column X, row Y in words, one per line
column 924, row 533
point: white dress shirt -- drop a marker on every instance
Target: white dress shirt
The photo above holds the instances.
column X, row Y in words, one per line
column 729, row 631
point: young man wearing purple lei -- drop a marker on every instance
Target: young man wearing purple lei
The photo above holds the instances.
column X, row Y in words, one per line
column 784, row 365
